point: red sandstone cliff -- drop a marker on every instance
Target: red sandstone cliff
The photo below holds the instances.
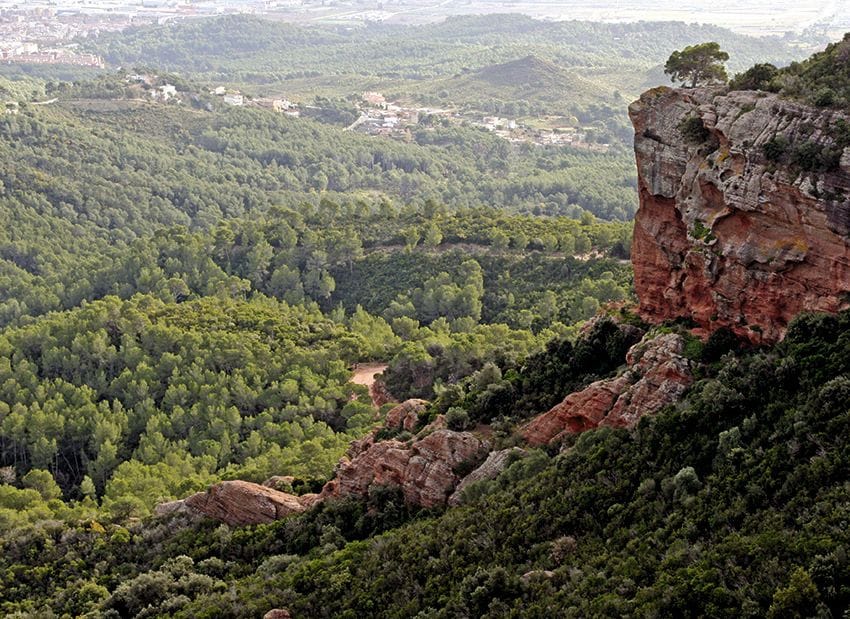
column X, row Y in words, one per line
column 726, row 236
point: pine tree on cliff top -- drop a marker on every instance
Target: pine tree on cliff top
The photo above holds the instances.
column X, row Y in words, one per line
column 697, row 64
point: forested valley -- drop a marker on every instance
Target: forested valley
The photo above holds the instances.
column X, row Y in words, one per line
column 187, row 289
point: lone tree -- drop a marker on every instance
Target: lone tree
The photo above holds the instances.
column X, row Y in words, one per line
column 697, row 64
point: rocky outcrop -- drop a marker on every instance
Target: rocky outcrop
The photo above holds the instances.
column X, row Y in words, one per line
column 405, row 416
column 744, row 217
column 426, row 470
column 492, row 467
column 657, row 374
column 380, row 394
column 239, row 503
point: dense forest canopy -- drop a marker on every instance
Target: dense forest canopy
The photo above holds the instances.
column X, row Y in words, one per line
column 242, row 46
column 186, row 288
column 732, row 503
column 103, row 182
column 822, row 80
column 224, row 269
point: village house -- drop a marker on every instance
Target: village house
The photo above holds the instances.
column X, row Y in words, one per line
column 234, row 98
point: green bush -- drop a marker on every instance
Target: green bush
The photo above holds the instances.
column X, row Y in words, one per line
column 693, row 130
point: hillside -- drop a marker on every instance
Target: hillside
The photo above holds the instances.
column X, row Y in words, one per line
column 187, row 293
column 296, row 61
column 730, row 503
column 114, row 172
column 530, row 78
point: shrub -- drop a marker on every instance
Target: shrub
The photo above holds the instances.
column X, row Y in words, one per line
column 457, row 419
column 693, row 130
column 775, row 148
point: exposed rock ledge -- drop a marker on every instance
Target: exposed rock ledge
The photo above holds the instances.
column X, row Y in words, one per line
column 657, row 375
column 426, row 468
column 726, row 236
column 430, row 468
column 240, row 503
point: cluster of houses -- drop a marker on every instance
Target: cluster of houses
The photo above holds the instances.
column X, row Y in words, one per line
column 237, row 99
column 381, row 117
column 17, row 52
column 168, row 92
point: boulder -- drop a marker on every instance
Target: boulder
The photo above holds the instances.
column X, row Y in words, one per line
column 426, row 470
column 405, row 416
column 240, row 503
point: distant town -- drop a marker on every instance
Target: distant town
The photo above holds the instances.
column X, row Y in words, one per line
column 54, row 22
column 377, row 115
column 394, row 119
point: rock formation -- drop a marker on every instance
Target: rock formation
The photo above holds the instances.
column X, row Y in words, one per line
column 744, row 210
column 426, row 470
column 239, row 503
column 405, row 416
column 657, row 375
column 492, row 467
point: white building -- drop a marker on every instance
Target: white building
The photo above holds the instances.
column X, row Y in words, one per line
column 234, row 99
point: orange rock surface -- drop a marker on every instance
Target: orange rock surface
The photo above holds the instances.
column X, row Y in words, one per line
column 724, row 235
column 657, row 375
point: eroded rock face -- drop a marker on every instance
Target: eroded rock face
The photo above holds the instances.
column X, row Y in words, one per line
column 726, row 236
column 495, row 463
column 240, row 503
column 426, row 470
column 405, row 416
column 657, row 375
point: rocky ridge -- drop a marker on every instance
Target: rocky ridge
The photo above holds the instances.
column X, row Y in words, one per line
column 427, row 469
column 744, row 210
column 657, row 374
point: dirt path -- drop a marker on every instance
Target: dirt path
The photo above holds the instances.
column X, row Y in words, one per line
column 364, row 374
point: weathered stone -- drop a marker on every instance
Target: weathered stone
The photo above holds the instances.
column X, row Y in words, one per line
column 380, row 394
column 724, row 235
column 277, row 613
column 425, row 470
column 657, row 375
column 495, row 463
column 241, row 502
column 405, row 416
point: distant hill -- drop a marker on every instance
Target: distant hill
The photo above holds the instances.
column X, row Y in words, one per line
column 530, row 77
column 248, row 47
column 534, row 73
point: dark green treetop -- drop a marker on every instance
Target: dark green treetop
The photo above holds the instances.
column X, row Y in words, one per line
column 697, row 64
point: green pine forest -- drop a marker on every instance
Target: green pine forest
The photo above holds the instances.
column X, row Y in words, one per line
column 185, row 290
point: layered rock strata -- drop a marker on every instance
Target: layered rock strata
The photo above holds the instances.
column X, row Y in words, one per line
column 239, row 503
column 744, row 210
column 426, row 470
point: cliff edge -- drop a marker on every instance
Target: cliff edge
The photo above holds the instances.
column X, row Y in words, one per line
column 744, row 217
